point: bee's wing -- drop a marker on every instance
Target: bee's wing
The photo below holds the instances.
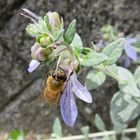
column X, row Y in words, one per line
column 68, row 106
column 79, row 90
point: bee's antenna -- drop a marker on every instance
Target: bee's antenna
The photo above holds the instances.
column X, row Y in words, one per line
column 28, row 14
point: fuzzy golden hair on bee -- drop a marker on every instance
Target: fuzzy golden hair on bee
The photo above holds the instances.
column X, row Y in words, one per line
column 54, row 86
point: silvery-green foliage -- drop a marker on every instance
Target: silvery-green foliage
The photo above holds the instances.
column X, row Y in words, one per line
column 137, row 76
column 125, row 138
column 113, row 51
column 99, row 123
column 128, row 85
column 122, row 110
column 138, row 129
column 85, row 132
column 77, row 44
column 70, row 33
column 57, row 128
column 93, row 59
column 94, row 79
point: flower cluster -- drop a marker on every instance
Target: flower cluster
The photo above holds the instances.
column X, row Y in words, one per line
column 53, row 46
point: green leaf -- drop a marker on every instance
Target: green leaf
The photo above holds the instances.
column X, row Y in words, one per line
column 94, row 79
column 32, row 30
column 57, row 128
column 106, row 138
column 77, row 42
column 112, row 71
column 137, row 76
column 129, row 86
column 128, row 113
column 99, row 123
column 85, row 131
column 138, row 130
column 70, row 33
column 125, row 138
column 113, row 51
column 113, row 137
column 122, row 111
column 94, row 59
column 15, row 134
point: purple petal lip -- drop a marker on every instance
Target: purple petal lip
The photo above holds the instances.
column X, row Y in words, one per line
column 33, row 65
column 128, row 47
column 68, row 106
column 79, row 90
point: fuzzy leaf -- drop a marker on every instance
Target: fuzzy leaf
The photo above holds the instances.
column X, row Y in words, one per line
column 85, row 131
column 94, row 59
column 94, row 79
column 129, row 86
column 32, row 30
column 122, row 110
column 137, row 76
column 138, row 130
column 99, row 123
column 77, row 44
column 70, row 33
column 57, row 128
column 113, row 51
column 106, row 138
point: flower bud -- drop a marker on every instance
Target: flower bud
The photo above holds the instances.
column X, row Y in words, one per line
column 106, row 36
column 44, row 40
column 39, row 53
column 54, row 19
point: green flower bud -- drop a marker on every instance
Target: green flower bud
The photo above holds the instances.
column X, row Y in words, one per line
column 106, row 36
column 44, row 40
column 54, row 19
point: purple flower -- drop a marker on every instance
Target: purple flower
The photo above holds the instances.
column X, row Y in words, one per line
column 129, row 48
column 67, row 102
column 33, row 65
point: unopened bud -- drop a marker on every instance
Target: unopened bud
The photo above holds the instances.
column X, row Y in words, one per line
column 54, row 19
column 39, row 53
column 106, row 36
column 45, row 40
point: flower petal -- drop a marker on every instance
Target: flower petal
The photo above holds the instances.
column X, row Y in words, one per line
column 130, row 51
column 68, row 106
column 51, row 19
column 33, row 65
column 79, row 90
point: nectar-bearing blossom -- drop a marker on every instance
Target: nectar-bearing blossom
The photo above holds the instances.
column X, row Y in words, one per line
column 67, row 101
column 52, row 48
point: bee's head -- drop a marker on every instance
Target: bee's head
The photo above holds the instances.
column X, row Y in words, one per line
column 59, row 75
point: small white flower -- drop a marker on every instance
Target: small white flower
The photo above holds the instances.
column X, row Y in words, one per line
column 33, row 65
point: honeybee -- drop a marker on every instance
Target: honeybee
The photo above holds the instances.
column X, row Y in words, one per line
column 54, row 86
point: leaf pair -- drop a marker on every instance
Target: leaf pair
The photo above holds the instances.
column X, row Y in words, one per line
column 108, row 56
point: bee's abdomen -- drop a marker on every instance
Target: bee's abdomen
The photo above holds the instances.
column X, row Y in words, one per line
column 52, row 96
